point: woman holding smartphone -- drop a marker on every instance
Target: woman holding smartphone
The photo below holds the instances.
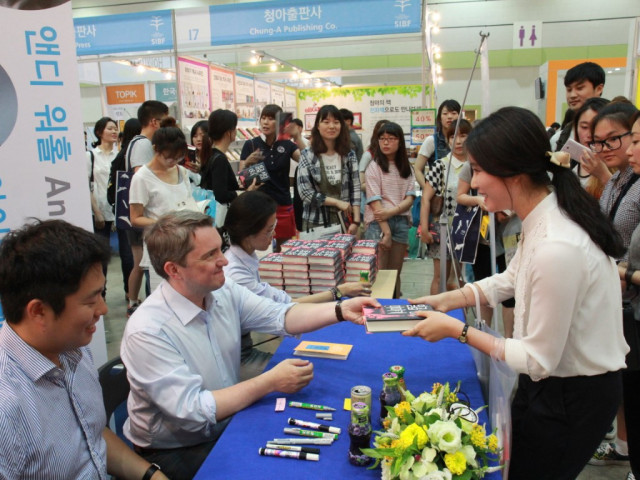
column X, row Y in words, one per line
column 568, row 341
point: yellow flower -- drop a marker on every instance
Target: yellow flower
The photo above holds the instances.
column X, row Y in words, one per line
column 456, row 462
column 493, row 443
column 411, row 432
column 436, row 388
column 478, row 436
column 452, row 398
column 386, row 423
column 402, row 408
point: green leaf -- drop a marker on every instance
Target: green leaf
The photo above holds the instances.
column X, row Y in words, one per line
column 467, row 475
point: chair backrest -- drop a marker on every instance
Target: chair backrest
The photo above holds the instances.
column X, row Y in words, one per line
column 115, row 386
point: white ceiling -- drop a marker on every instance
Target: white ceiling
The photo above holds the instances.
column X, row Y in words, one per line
column 566, row 23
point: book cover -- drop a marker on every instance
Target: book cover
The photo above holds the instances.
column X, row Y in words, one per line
column 289, row 244
column 325, row 256
column 393, row 318
column 339, row 351
column 343, row 246
column 256, row 171
column 361, row 262
column 273, row 261
column 345, row 237
column 366, row 247
column 297, row 255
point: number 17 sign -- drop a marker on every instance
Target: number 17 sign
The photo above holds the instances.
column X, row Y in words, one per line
column 423, row 117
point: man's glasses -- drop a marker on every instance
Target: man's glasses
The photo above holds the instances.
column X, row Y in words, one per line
column 612, row 143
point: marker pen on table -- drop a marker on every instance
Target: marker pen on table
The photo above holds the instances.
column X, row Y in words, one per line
column 311, row 406
column 270, row 452
column 310, row 433
column 316, row 426
column 292, row 448
column 302, row 441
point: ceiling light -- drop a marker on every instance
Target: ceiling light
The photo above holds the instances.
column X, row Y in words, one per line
column 140, row 68
column 435, row 29
column 273, row 67
column 440, row 80
column 435, row 16
column 305, row 81
column 253, row 60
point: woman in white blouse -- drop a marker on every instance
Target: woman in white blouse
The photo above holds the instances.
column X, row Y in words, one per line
column 568, row 345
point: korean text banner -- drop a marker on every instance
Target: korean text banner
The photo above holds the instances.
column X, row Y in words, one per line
column 299, row 19
column 129, row 32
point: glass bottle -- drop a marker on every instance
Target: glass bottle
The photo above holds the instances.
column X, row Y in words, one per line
column 359, row 433
column 390, row 394
column 399, row 370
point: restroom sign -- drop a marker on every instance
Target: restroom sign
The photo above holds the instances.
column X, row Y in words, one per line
column 527, row 34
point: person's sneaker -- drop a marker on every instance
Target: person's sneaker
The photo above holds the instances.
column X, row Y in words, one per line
column 132, row 308
column 606, row 454
column 631, row 476
column 611, row 433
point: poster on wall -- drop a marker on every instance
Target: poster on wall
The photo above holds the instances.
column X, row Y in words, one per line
column 194, row 91
column 245, row 98
column 290, row 99
column 277, row 96
column 221, row 83
column 393, row 103
column 43, row 164
column 263, row 95
column 123, row 101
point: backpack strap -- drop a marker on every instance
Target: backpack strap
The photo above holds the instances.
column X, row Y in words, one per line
column 127, row 157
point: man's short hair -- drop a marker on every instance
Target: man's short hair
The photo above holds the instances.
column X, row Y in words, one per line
column 170, row 239
column 589, row 71
column 151, row 109
column 347, row 114
column 298, row 122
column 271, row 110
column 46, row 260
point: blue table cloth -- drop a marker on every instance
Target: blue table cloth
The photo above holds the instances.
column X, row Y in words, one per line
column 236, row 453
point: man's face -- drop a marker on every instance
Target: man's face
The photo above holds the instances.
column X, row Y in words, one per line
column 203, row 272
column 579, row 91
column 75, row 325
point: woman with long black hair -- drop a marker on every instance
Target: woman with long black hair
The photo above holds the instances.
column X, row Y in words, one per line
column 568, row 345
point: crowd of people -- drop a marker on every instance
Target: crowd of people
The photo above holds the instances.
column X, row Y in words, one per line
column 563, row 289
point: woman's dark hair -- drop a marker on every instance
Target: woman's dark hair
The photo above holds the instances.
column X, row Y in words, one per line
column 205, row 149
column 635, row 118
column 452, row 106
column 220, row 122
column 402, row 159
column 513, row 141
column 271, row 110
column 343, row 142
column 595, row 103
column 569, row 115
column 464, row 129
column 169, row 139
column 247, row 215
column 132, row 127
column 619, row 113
column 99, row 127
column 373, row 143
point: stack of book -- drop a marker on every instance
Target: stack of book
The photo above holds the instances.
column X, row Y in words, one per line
column 366, row 247
column 295, row 270
column 326, row 269
column 270, row 270
column 357, row 263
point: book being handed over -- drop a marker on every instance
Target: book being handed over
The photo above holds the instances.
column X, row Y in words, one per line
column 256, row 171
column 393, row 318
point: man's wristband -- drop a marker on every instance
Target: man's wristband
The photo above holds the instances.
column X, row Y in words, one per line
column 339, row 315
column 153, row 468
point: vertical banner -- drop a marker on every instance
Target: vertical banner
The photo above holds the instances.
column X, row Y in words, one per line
column 222, row 89
column 194, row 91
column 263, row 95
column 290, row 104
column 277, row 96
column 43, row 166
column 245, row 98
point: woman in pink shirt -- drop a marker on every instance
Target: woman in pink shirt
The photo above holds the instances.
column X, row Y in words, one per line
column 390, row 194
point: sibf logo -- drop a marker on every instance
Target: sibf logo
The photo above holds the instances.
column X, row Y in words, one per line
column 157, row 38
column 402, row 4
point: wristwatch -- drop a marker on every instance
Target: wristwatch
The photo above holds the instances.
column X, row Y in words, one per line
column 463, row 336
column 153, row 468
column 337, row 294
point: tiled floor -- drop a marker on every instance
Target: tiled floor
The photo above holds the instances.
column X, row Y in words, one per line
column 416, row 278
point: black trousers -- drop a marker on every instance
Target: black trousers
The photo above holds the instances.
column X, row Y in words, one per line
column 558, row 423
column 178, row 463
column 631, row 393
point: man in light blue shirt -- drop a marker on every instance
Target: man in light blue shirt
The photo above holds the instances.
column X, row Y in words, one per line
column 182, row 345
column 52, row 417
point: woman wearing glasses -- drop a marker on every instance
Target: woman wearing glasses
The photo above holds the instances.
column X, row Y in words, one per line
column 620, row 199
column 390, row 194
column 249, row 227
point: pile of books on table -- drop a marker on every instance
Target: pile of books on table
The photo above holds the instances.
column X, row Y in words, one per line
column 309, row 266
column 363, row 259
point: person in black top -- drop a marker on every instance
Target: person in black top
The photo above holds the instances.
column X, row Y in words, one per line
column 216, row 172
column 276, row 155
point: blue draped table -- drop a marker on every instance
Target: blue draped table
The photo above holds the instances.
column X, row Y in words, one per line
column 236, row 453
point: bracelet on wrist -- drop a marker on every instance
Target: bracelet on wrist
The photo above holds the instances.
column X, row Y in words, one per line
column 628, row 273
column 338, row 310
column 153, row 468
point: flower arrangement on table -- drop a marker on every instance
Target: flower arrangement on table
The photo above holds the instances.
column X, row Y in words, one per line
column 434, row 437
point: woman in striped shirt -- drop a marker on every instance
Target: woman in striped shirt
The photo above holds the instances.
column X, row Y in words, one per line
column 390, row 194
